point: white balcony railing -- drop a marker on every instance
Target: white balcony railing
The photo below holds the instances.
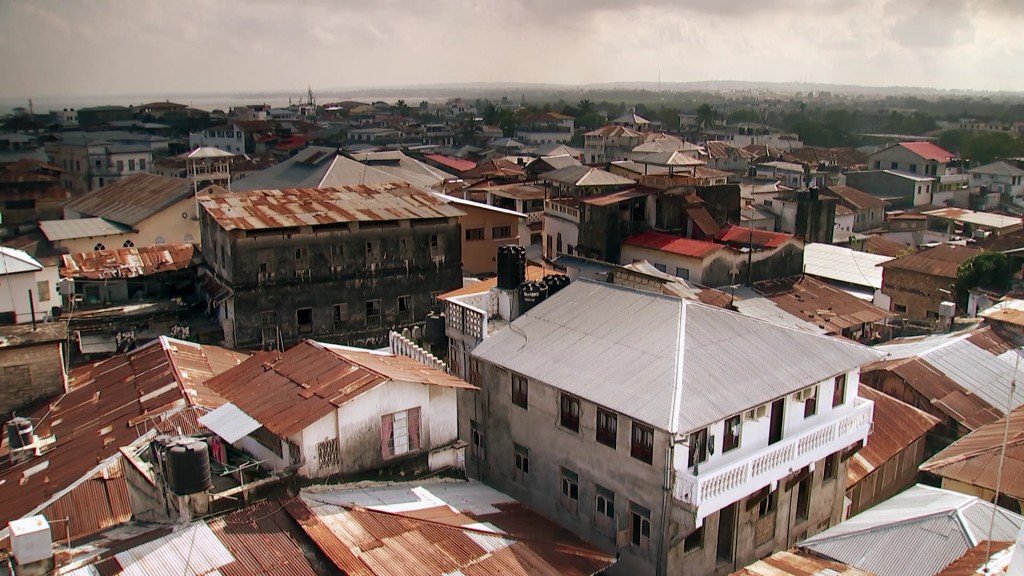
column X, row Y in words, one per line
column 465, row 318
column 714, row 489
column 532, row 217
column 561, row 210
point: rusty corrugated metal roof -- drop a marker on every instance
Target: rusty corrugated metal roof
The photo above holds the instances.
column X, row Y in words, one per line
column 942, row 260
column 295, row 207
column 127, row 262
column 798, row 562
column 974, row 459
column 896, row 426
column 110, row 404
column 814, row 301
column 987, row 558
column 131, row 199
column 285, row 392
column 742, row 237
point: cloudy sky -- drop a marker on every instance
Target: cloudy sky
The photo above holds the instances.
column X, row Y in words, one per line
column 88, row 47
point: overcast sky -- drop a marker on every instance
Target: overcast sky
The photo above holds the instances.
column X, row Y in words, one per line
column 86, row 47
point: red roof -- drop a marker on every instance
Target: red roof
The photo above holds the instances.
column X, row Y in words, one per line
column 457, row 164
column 673, row 244
column 758, row 238
column 928, row 151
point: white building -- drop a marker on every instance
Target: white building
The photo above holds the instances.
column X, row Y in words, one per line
column 92, row 160
column 27, row 287
column 226, row 137
column 1001, row 177
column 329, row 409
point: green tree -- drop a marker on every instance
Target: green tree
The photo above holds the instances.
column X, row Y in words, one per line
column 990, row 270
column 706, row 116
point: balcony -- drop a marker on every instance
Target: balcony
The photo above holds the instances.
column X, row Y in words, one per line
column 562, row 209
column 716, row 488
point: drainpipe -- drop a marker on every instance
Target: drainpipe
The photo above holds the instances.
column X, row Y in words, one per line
column 662, row 564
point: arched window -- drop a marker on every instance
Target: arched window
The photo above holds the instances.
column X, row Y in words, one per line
column 159, row 240
column 99, row 246
column 190, row 238
column 128, row 244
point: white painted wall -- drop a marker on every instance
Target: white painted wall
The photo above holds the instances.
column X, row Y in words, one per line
column 552, row 228
column 14, row 294
column 670, row 261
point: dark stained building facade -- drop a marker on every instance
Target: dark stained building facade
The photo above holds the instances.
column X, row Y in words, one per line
column 341, row 265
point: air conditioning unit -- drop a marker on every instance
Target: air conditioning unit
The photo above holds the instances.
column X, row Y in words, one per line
column 804, row 395
column 756, row 413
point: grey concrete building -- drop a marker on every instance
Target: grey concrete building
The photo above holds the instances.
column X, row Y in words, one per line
column 689, row 439
column 341, row 265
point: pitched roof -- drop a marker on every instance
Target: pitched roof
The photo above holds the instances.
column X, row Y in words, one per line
column 927, row 150
column 843, row 265
column 131, row 199
column 673, row 158
column 942, row 260
column 988, row 219
column 457, row 164
column 497, row 167
column 720, row 149
column 108, row 405
column 675, row 364
column 439, row 527
column 797, row 562
column 819, row 303
column 286, row 392
column 915, row 533
column 127, row 262
column 673, row 244
column 896, row 425
column 631, row 118
column 292, row 207
column 742, row 237
column 1009, row 311
column 402, row 168
column 974, row 459
column 965, row 374
column 997, row 168
column 877, row 244
column 612, row 131
column 313, row 167
column 585, row 176
column 14, row 261
column 858, row 199
column 985, row 559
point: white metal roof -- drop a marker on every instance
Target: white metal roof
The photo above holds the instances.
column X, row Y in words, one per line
column 55, row 230
column 14, row 261
column 915, row 533
column 481, row 205
column 978, row 218
column 675, row 364
column 229, row 422
column 844, row 265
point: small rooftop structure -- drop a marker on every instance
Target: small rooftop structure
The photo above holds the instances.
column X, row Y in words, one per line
column 916, row 533
column 673, row 244
column 583, row 176
column 127, row 262
column 738, row 237
column 1009, row 311
column 14, row 261
column 819, row 303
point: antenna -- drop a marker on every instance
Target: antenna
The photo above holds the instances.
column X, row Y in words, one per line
column 1002, row 450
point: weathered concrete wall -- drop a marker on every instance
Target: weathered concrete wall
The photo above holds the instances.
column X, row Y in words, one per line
column 891, row 477
column 30, row 375
column 920, row 293
column 730, row 267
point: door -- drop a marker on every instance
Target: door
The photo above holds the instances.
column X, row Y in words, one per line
column 775, row 426
column 726, row 533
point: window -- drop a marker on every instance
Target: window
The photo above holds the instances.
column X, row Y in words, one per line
column 769, row 502
column 570, row 498
column 142, row 163
column 839, row 390
column 128, row 244
column 373, row 316
column 642, row 446
column 474, row 234
column 831, row 466
column 405, row 248
column 120, row 165
column 731, row 438
column 811, row 404
column 301, row 259
column 607, row 427
column 569, row 413
column 99, row 246
column 131, row 164
column 893, row 165
column 519, row 391
column 661, row 267
column 400, row 432
column 604, row 505
column 339, row 314
column 694, row 541
column 682, row 273
column 803, row 496
column 522, row 463
column 43, row 290
column 268, row 318
column 558, row 245
column 337, row 255
column 328, row 454
column 639, row 527
column 698, row 447
column 900, row 308
column 304, row 320
column 476, row 439
column 160, row 240
column 405, row 309
column 436, row 246
column 498, row 232
column 372, row 253
column 913, row 168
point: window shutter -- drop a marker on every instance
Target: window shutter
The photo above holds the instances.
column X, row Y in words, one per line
column 386, row 429
column 414, row 428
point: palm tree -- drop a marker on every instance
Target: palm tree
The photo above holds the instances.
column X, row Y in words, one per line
column 706, row 116
column 585, row 106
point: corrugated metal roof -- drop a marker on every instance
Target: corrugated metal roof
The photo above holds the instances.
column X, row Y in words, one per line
column 496, row 167
column 229, row 422
column 896, row 426
column 915, row 533
column 942, row 260
column 814, row 301
column 127, row 262
column 619, row 348
column 974, row 459
column 796, row 562
column 997, row 221
column 56, row 230
column 742, row 237
column 131, row 199
column 1010, row 311
column 985, row 559
column 194, row 550
column 14, row 261
column 585, row 176
column 424, row 530
column 295, row 207
column 109, row 404
column 843, row 265
column 457, row 164
column 673, row 244
column 926, row 150
column 856, row 198
column 285, row 392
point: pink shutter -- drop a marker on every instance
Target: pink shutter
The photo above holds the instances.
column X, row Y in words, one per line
column 387, row 424
column 414, row 429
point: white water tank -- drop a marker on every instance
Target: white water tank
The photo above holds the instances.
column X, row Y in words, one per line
column 30, row 539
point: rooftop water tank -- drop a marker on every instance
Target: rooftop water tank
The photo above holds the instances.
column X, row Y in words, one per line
column 188, row 466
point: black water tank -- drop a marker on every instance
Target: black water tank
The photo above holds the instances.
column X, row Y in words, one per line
column 188, row 466
column 556, row 282
column 19, row 432
column 433, row 330
column 531, row 294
